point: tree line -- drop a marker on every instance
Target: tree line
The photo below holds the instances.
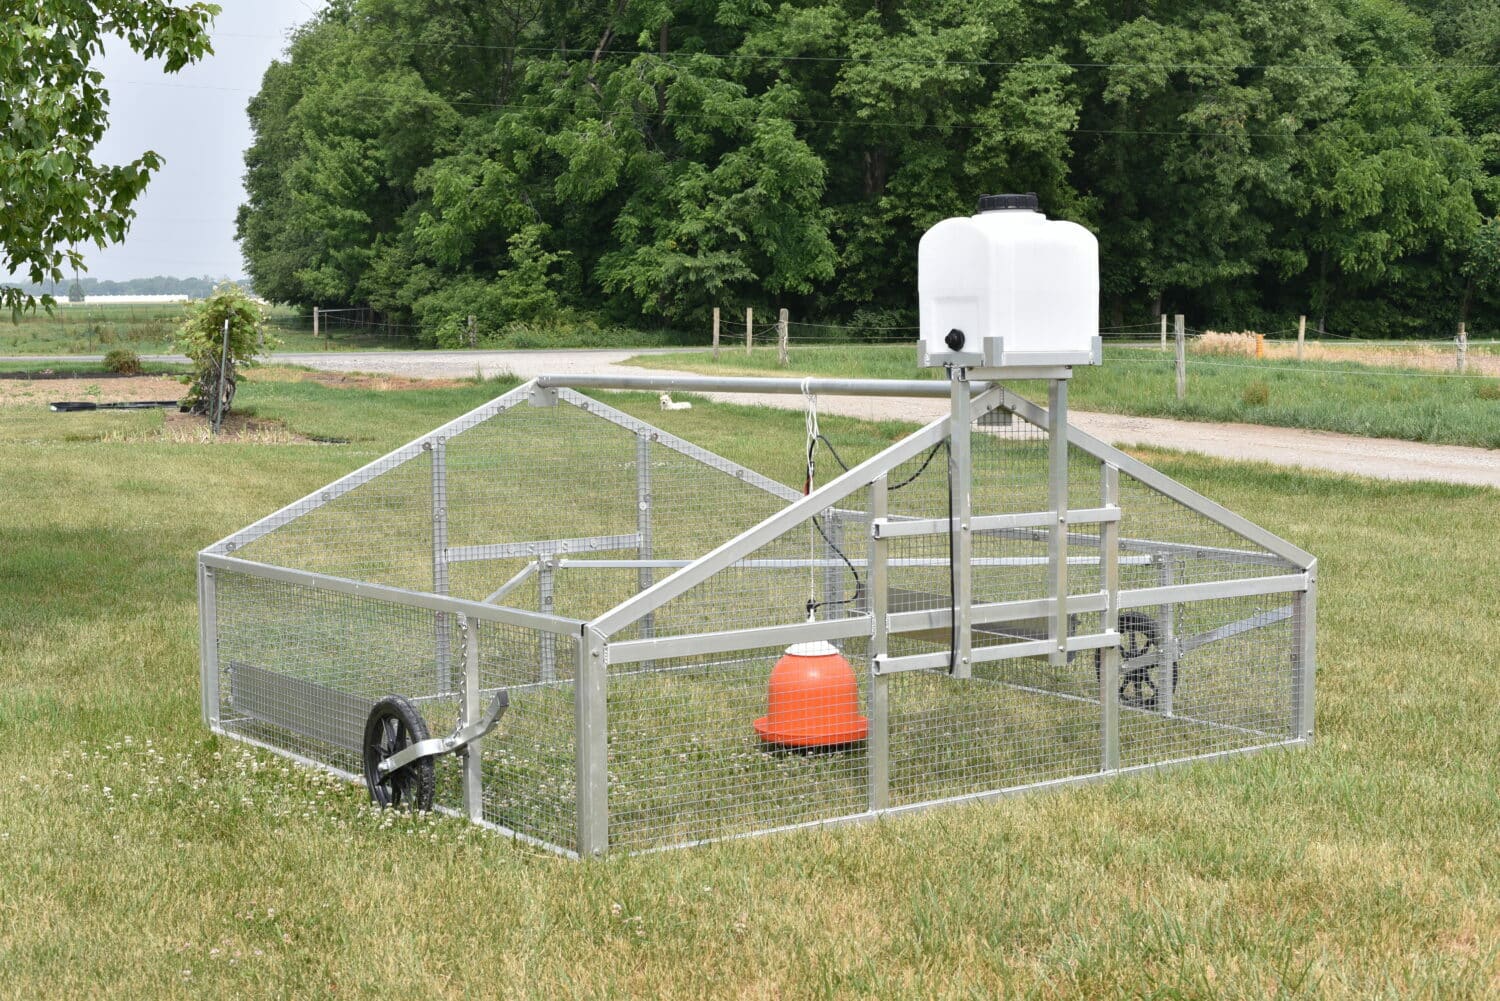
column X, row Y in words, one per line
column 542, row 163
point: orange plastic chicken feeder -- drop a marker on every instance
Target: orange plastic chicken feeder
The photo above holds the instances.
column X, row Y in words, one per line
column 814, row 700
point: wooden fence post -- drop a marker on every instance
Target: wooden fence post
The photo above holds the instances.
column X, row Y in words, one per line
column 315, row 324
column 781, row 353
column 1462, row 343
column 1181, row 358
column 1301, row 334
column 716, row 333
column 1164, row 331
column 749, row 328
column 473, row 332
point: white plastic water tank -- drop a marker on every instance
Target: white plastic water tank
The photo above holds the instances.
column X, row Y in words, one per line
column 1008, row 286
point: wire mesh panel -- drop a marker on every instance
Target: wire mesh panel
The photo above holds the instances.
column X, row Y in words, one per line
column 380, row 531
column 1216, row 675
column 300, row 667
column 686, row 762
column 529, row 778
column 959, row 736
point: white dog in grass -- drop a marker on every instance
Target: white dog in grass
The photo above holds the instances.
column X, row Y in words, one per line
column 668, row 404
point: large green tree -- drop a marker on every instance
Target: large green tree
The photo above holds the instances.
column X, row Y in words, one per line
column 53, row 106
column 535, row 161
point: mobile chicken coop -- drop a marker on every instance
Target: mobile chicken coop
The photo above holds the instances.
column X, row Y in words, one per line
column 588, row 612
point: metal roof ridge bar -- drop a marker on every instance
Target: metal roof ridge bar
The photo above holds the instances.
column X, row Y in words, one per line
column 1163, row 484
column 367, row 472
column 789, row 517
column 938, row 389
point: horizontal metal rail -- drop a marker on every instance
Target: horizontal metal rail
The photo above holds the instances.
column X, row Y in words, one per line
column 935, row 388
column 693, row 644
column 542, row 547
column 886, row 528
column 984, row 654
column 1143, row 597
column 397, row 596
column 990, row 613
column 1225, row 553
column 802, row 563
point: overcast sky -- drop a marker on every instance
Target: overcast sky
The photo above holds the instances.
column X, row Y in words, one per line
column 195, row 119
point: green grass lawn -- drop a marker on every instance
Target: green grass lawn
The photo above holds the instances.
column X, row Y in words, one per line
column 141, row 856
column 1327, row 396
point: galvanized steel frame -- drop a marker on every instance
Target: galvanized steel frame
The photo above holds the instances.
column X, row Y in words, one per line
column 596, row 651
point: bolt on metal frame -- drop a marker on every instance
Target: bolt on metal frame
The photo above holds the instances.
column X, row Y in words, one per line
column 279, row 709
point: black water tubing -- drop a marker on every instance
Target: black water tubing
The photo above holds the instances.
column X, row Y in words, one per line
column 74, row 407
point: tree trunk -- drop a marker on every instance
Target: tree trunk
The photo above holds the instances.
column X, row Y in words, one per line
column 875, row 171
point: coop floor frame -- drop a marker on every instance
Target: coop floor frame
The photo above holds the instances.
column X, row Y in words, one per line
column 317, row 718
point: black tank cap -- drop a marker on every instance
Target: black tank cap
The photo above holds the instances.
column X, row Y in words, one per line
column 995, row 203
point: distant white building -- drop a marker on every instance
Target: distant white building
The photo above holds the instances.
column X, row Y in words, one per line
column 123, row 300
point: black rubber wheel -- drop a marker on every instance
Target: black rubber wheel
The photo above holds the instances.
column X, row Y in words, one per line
column 394, row 724
column 1139, row 635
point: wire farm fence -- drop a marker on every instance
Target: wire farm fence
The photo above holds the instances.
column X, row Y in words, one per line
column 630, row 592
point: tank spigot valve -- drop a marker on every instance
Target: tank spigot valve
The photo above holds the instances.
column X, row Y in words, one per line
column 954, row 340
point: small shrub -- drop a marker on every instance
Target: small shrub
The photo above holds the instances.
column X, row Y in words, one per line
column 123, row 361
column 1257, row 394
column 201, row 338
column 1488, row 390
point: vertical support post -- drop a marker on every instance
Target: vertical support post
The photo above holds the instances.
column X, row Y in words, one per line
column 645, row 576
column 1164, row 331
column 472, row 331
column 960, row 479
column 878, row 743
column 782, row 358
column 1181, row 358
column 208, row 644
column 1301, row 334
column 442, row 622
column 1462, row 344
column 1057, row 499
column 749, row 328
column 1165, row 690
column 1109, row 657
column 223, row 371
column 315, row 324
column 473, row 782
column 546, row 573
column 591, row 738
column 1304, row 655
column 716, row 333
column 1260, row 346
